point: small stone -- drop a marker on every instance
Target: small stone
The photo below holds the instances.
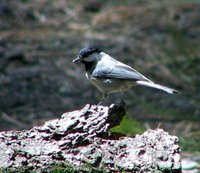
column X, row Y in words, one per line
column 188, row 164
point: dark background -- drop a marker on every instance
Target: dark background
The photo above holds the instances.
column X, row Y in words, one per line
column 39, row 39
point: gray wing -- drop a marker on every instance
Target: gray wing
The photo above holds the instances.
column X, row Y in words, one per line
column 119, row 71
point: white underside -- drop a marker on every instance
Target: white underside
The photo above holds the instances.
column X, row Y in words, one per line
column 110, row 85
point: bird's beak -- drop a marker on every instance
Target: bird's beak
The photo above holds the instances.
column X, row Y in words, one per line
column 77, row 59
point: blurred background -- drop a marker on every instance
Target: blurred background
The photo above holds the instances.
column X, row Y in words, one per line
column 159, row 38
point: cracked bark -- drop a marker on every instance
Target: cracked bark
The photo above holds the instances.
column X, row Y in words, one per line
column 80, row 141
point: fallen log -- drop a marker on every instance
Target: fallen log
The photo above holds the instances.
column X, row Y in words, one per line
column 80, row 141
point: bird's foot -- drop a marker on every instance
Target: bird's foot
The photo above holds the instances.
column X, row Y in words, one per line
column 122, row 103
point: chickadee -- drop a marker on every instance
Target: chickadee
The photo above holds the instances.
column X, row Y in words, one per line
column 110, row 75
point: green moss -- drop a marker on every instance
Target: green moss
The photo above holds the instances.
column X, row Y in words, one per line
column 19, row 170
column 128, row 126
column 63, row 168
column 67, row 168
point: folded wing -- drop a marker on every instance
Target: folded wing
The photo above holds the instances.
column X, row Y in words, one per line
column 119, row 71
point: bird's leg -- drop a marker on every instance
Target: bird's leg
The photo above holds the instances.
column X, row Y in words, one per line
column 122, row 98
column 104, row 95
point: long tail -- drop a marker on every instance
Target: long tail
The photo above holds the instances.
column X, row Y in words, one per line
column 157, row 86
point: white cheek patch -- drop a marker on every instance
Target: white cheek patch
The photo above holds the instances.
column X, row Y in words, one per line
column 93, row 57
column 90, row 58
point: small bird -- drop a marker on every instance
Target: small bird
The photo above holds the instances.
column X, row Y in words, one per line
column 110, row 75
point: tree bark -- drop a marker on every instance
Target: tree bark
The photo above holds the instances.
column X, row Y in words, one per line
column 80, row 141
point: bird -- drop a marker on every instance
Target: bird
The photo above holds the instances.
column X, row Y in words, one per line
column 110, row 75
